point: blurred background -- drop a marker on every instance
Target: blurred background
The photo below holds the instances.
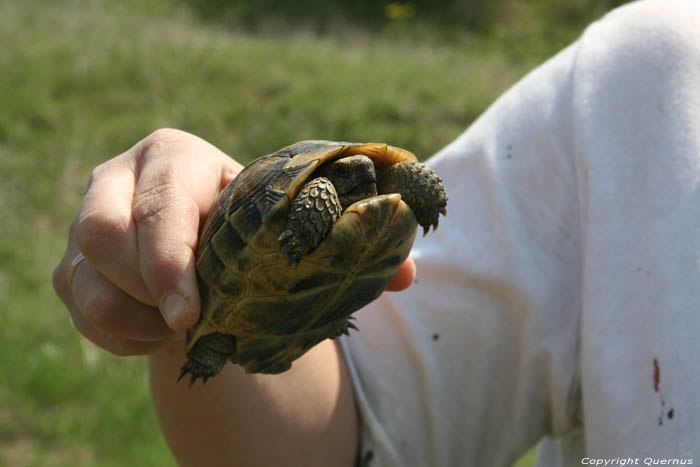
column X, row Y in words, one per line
column 82, row 81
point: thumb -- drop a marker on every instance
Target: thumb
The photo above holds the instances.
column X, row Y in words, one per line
column 176, row 185
column 166, row 230
column 404, row 276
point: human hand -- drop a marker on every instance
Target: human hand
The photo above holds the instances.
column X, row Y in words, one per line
column 137, row 228
column 136, row 289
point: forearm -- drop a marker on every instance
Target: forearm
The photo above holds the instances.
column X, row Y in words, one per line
column 305, row 416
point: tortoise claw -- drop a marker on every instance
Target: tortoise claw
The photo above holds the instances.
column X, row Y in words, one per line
column 345, row 330
column 208, row 356
column 196, row 370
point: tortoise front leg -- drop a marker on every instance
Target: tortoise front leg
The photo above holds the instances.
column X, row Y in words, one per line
column 419, row 187
column 313, row 213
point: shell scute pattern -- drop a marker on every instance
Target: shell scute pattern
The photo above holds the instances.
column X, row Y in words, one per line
column 276, row 312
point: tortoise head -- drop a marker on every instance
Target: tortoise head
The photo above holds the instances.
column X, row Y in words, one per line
column 353, row 177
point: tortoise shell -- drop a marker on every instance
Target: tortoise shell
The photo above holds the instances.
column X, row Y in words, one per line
column 275, row 311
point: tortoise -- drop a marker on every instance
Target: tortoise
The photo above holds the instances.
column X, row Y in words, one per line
column 296, row 243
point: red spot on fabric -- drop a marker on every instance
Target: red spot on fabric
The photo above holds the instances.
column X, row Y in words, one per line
column 657, row 375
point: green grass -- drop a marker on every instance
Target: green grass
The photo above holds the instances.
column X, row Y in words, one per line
column 81, row 81
column 528, row 460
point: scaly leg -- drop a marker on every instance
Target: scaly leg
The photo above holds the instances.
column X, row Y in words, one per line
column 313, row 213
column 208, row 356
column 419, row 187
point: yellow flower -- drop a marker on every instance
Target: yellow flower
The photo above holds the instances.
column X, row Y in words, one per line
column 399, row 10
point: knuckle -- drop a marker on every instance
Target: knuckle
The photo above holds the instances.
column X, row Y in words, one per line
column 150, row 203
column 102, row 171
column 99, row 171
column 97, row 229
column 95, row 174
column 164, row 134
column 160, row 141
column 164, row 195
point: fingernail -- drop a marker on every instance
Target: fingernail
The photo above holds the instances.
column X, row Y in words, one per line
column 175, row 309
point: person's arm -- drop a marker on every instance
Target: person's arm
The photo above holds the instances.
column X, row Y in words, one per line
column 305, row 416
column 135, row 293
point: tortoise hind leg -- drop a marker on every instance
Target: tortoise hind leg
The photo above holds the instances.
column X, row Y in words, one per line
column 419, row 187
column 346, row 327
column 208, row 356
column 313, row 213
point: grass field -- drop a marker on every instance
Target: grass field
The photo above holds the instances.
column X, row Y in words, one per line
column 81, row 81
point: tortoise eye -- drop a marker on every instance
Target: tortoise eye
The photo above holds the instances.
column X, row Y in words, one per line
column 340, row 171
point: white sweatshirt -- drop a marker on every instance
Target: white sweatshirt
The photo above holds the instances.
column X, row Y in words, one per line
column 561, row 297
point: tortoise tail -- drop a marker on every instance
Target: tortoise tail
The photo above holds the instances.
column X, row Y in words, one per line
column 208, row 357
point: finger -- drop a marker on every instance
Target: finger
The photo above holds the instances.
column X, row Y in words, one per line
column 105, row 228
column 167, row 227
column 106, row 225
column 117, row 345
column 106, row 232
column 404, row 276
column 111, row 311
column 172, row 191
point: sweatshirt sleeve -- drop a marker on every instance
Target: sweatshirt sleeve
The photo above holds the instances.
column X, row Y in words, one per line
column 636, row 102
column 560, row 297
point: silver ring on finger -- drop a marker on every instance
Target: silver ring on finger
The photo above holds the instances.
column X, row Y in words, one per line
column 73, row 266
